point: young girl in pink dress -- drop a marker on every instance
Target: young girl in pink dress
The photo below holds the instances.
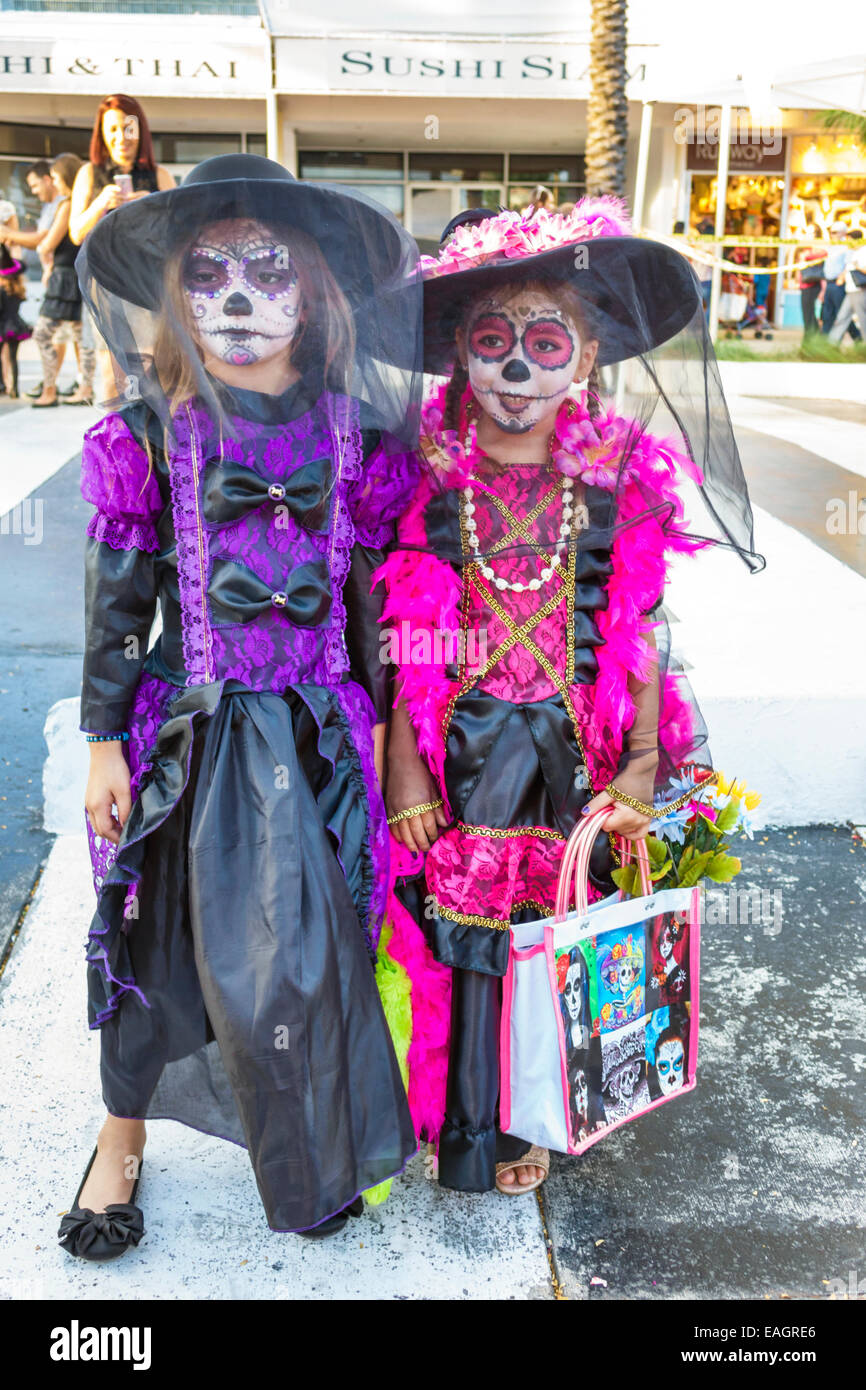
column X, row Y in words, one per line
column 524, row 614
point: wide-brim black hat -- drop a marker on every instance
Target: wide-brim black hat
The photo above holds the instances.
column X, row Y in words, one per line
column 636, row 294
column 361, row 242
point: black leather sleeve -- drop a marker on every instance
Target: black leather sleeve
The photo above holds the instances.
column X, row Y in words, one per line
column 120, row 604
column 363, row 630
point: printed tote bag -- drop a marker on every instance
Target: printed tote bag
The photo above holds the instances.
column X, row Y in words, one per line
column 600, row 1006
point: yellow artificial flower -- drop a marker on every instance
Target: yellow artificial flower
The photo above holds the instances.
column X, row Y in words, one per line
column 732, row 788
column 752, row 799
column 722, row 784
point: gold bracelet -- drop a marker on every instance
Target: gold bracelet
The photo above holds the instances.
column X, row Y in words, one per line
column 414, row 811
column 630, row 801
column 655, row 812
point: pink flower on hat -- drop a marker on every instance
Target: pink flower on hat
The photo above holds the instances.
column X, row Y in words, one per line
column 514, row 235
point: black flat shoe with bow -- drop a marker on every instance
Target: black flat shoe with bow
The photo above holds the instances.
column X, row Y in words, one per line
column 102, row 1235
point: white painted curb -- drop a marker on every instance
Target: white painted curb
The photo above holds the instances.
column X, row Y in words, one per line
column 829, row 381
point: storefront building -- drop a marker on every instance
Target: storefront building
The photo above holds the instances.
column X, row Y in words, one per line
column 426, row 124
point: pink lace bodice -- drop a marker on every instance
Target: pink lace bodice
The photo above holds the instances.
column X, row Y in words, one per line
column 534, row 497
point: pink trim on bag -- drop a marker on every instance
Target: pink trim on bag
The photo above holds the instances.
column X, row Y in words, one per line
column 550, row 955
column 694, row 981
column 505, row 1045
column 526, row 952
column 627, row 1119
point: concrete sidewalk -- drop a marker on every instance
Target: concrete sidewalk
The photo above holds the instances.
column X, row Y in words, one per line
column 752, row 1187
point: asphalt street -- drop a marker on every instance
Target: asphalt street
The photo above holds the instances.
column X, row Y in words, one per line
column 41, row 644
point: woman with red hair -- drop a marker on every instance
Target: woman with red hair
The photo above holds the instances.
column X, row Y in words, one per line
column 121, row 167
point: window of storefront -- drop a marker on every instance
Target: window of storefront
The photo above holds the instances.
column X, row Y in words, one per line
column 43, row 141
column 564, row 175
column 426, row 188
column 828, row 184
column 380, row 174
column 427, row 167
column 753, row 206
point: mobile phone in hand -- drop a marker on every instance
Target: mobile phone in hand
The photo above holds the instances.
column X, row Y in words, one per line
column 124, row 183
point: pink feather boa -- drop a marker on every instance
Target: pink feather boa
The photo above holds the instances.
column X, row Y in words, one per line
column 430, row 1001
column 422, row 595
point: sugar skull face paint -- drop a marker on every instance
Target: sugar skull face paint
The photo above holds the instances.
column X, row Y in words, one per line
column 669, row 1065
column 242, row 287
column 522, row 353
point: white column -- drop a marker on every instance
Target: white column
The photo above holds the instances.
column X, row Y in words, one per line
column 272, row 125
column 721, row 207
column 646, row 122
column 289, row 146
column 786, row 253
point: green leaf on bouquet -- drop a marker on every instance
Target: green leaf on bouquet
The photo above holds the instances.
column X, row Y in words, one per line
column 628, row 879
column 697, row 867
column 665, row 868
column 727, row 817
column 723, row 867
column 657, row 850
column 711, row 825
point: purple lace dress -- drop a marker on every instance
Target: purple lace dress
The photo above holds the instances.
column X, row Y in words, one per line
column 230, row 956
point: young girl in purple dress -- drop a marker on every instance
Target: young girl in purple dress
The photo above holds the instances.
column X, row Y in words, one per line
column 244, row 493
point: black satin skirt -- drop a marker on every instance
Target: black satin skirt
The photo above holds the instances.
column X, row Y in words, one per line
column 256, row 1015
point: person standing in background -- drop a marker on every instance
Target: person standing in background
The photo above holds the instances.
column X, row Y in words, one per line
column 853, row 306
column 41, row 185
column 62, row 303
column 13, row 329
column 121, row 169
column 542, row 201
column 811, row 279
column 834, row 274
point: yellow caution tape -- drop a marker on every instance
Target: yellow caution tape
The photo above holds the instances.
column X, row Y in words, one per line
column 695, row 253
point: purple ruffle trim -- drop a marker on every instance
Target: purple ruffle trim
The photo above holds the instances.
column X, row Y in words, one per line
column 123, row 535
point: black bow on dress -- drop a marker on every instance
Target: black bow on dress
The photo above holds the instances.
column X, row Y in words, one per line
column 230, row 490
column 237, row 595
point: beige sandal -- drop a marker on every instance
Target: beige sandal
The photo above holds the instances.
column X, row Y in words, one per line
column 536, row 1158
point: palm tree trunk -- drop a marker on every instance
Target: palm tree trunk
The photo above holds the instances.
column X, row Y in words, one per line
column 607, row 108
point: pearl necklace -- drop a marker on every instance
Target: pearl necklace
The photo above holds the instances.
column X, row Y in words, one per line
column 517, row 586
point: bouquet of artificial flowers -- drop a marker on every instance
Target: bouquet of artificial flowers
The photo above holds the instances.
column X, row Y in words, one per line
column 693, row 843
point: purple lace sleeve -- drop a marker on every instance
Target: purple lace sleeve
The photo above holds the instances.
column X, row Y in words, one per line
column 383, row 491
column 123, row 535
column 117, row 478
